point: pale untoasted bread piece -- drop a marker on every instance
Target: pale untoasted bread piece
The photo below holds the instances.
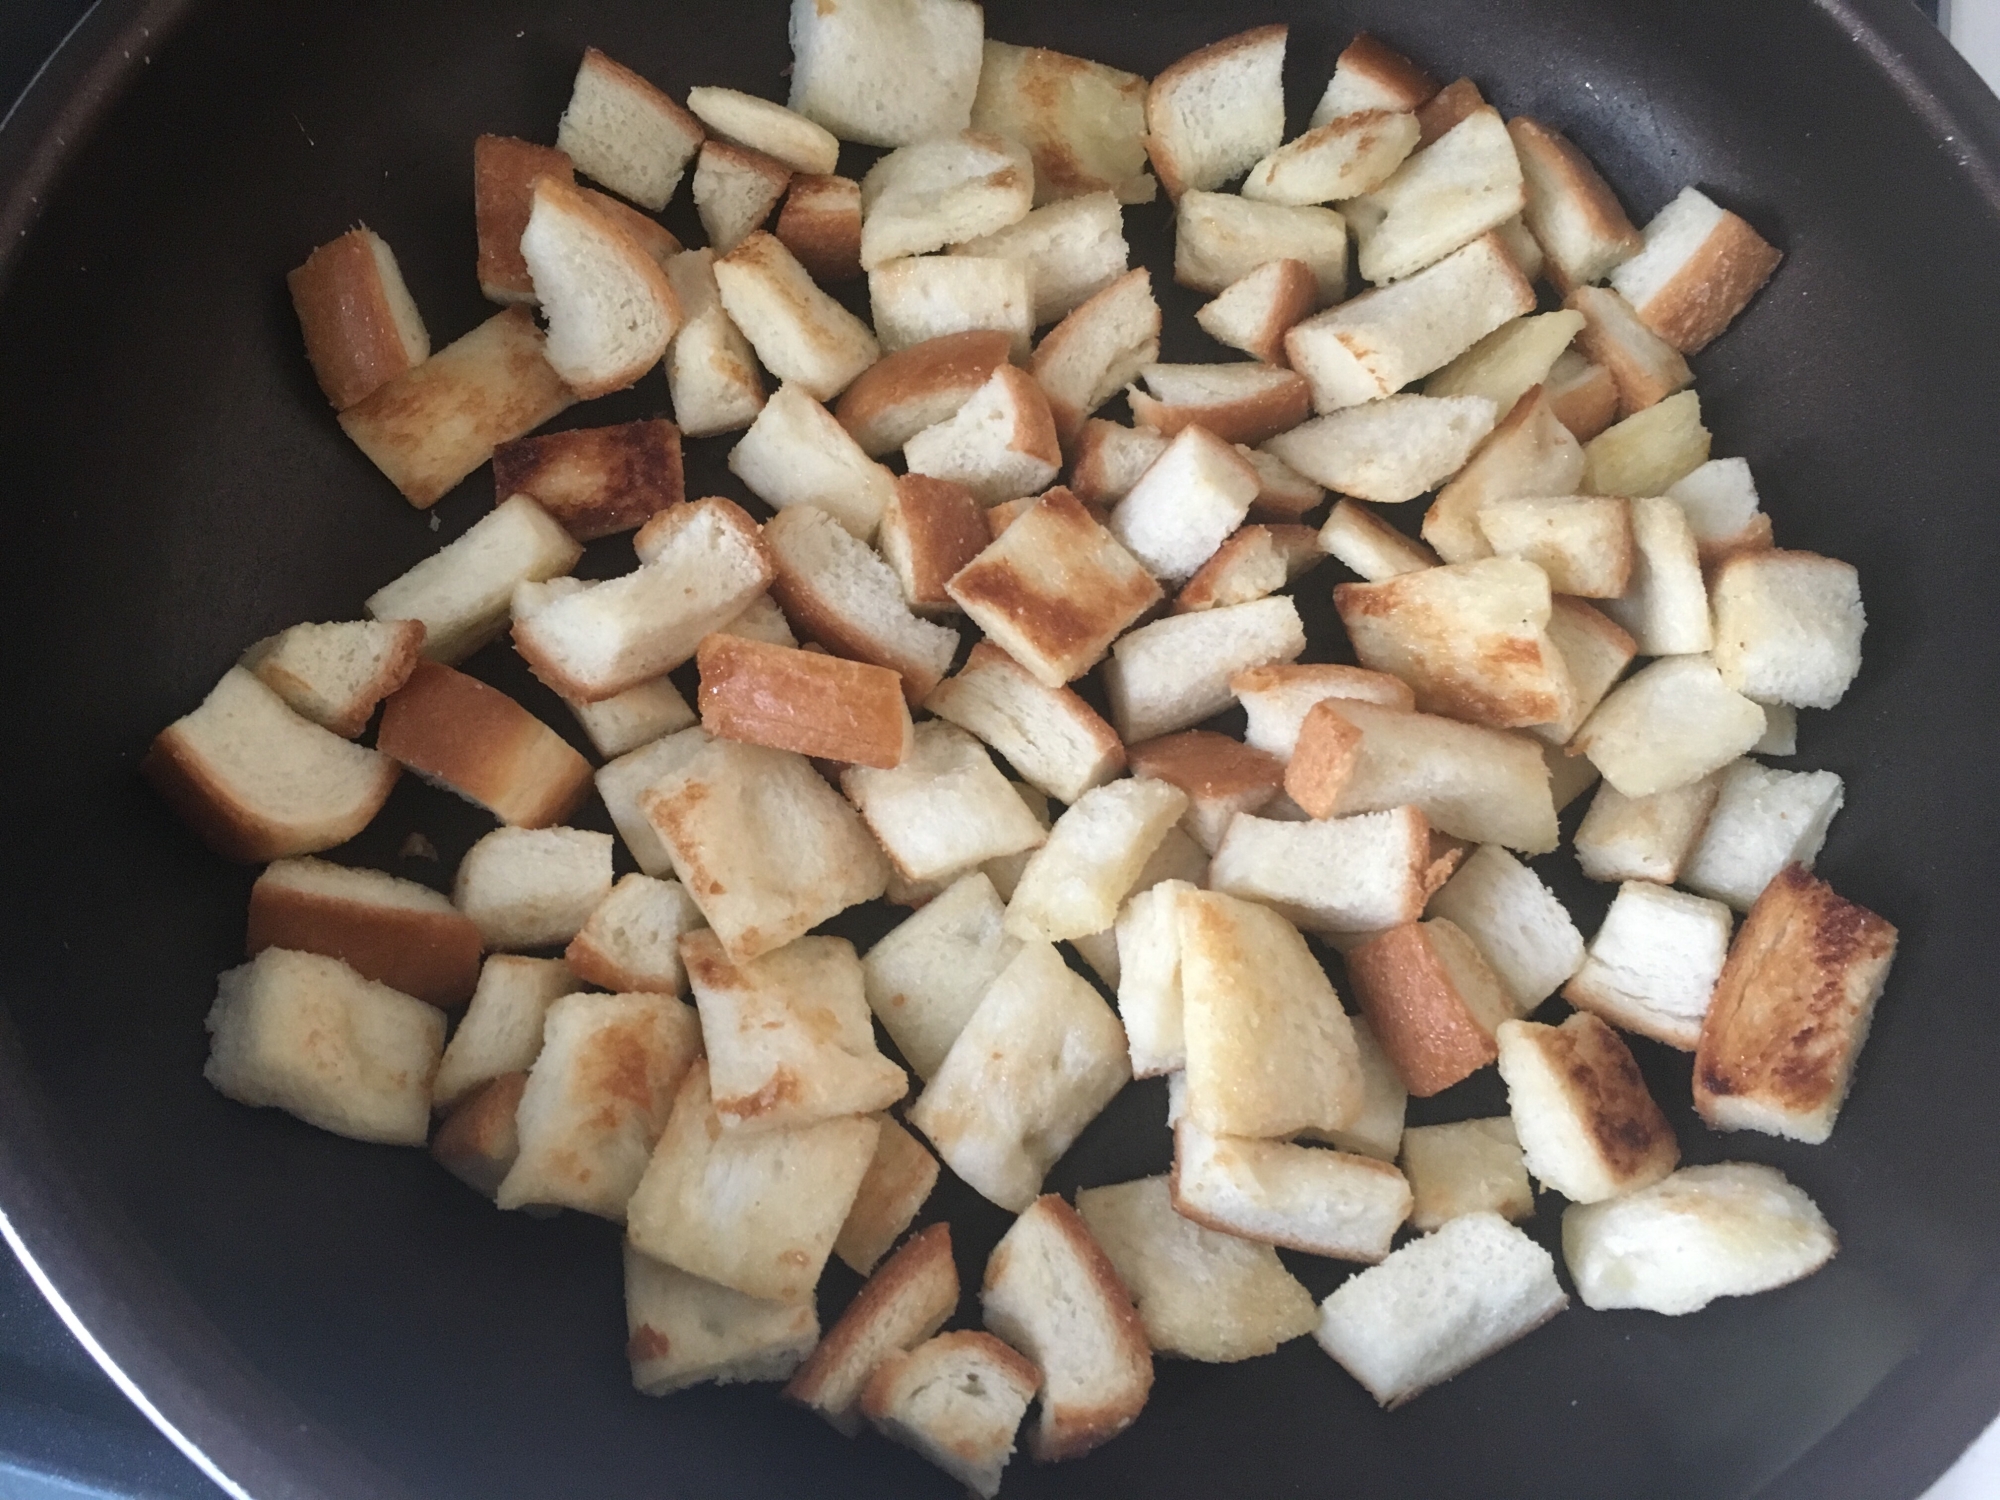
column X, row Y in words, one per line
column 1654, row 963
column 1668, row 726
column 925, row 979
column 1220, row 238
column 1176, row 672
column 611, row 310
column 392, row 931
column 886, row 72
column 711, row 372
column 1528, row 453
column 1596, row 652
column 1239, row 403
column 945, row 810
column 1472, row 1166
column 504, row 172
column 735, row 189
column 766, row 127
column 943, row 191
column 1648, row 452
column 1510, row 361
column 1110, row 458
column 1447, row 195
column 1370, row 75
column 1358, row 874
column 918, row 386
column 1221, row 777
column 1074, row 884
column 1588, row 1127
column 1149, row 979
column 801, row 335
column 360, row 325
column 1095, row 351
column 635, row 717
column 1432, row 1000
column 631, row 940
column 900, row 1177
column 1720, row 499
column 458, row 733
column 1001, row 444
column 1254, row 563
column 899, row 1307
column 622, row 782
column 595, row 481
column 1519, row 927
column 477, row 1142
column 796, row 455
column 1572, row 212
column 1700, row 267
column 533, row 887
column 501, row 1030
column 958, row 1400
column 1050, row 736
column 1788, row 626
column 1279, row 1193
column 685, row 1331
column 1764, row 820
column 1644, row 838
column 336, row 674
column 1276, row 698
column 1186, row 504
column 1071, row 250
column 1084, row 123
column 623, row 132
column 821, row 225
column 1256, row 311
column 1370, row 546
column 1391, row 450
column 806, row 701
column 1583, row 543
column 922, row 298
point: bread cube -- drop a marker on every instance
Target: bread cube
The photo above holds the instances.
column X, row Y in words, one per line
column 477, row 1142
column 1377, row 1130
column 1644, row 838
column 1791, row 1011
column 1582, row 542
column 958, row 1400
column 635, row 717
column 458, row 733
column 1093, row 353
column 887, row 72
column 392, row 931
column 1278, row 1193
column 611, row 311
column 899, row 1180
column 1649, row 451
column 1432, row 1000
column 1323, row 761
column 623, row 132
column 1050, row 736
column 1529, row 453
column 1446, row 108
column 1149, row 979
column 1763, row 820
column 1110, row 459
column 801, row 335
column 1700, row 267
column 761, row 620
column 1084, row 123
column 595, row 481
column 1573, row 213
column 1037, row 1061
column 1665, row 606
column 1347, row 156
column 1369, row 75
column 1221, row 776
column 1070, row 250
column 1730, row 1230
column 1667, row 726
column 1219, row 238
column 1445, row 196
column 920, row 299
column 767, row 849
column 1005, row 873
column 461, row 594
column 621, row 783
column 1720, row 500
column 335, row 674
column 1239, row 402
column 1054, row 590
column 1582, row 395
column 1216, row 112
column 1645, row 368
column 1519, row 927
column 1654, row 963
column 930, row 529
column 1595, row 652
column 918, row 386
column 1176, row 671
column 1185, row 505
column 1587, row 1125
column 501, row 1030
column 711, row 373
column 1370, row 546
column 1357, row 874
column 1178, row 858
column 361, row 327
column 945, row 809
column 630, row 941
column 1439, row 1305
column 683, row 1331
column 1788, row 627
column 1074, row 884
column 533, row 887
column 925, row 979
column 1254, row 563
column 899, row 1307
column 504, row 173
column 1390, row 450
column 943, row 191
column 1001, row 444
column 763, row 126
column 1255, row 311
column 1510, row 361
column 821, row 225
column 806, row 701
column 1473, row 1166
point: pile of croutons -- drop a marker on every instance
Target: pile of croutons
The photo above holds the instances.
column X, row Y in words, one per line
column 925, row 744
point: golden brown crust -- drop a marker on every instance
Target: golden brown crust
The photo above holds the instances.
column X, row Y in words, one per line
column 1388, row 69
column 1006, row 513
column 1194, row 1213
column 893, row 1192
column 1034, row 431
column 454, row 729
column 477, row 1142
column 432, row 956
column 1712, row 286
column 595, row 481
column 1207, row 765
column 181, row 775
column 1587, row 404
column 958, row 363
column 504, row 171
column 1644, row 377
column 648, row 233
column 924, row 1259
column 562, row 196
column 351, row 337
column 937, row 527
column 806, row 701
column 1328, row 749
column 821, row 224
column 1090, row 475
column 1415, row 1010
column 1339, row 682
column 1555, row 167
column 684, row 118
column 1444, row 109
column 1009, row 1364
column 1605, row 1090
column 1294, row 294
column 822, row 622
column 1076, row 328
column 1281, row 406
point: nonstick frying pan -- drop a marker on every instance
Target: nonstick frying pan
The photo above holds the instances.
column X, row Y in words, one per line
column 323, row 1319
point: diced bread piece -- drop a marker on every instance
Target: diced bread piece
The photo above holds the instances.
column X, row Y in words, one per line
column 1220, row 238
column 595, row 481
column 478, row 1142
column 336, row 674
column 923, row 298
column 684, row 1331
column 1667, row 726
column 1186, row 504
column 945, row 809
column 837, row 591
column 886, row 72
column 807, row 701
column 1730, row 1230
column 958, row 1400
column 796, row 455
column 533, row 887
column 1446, row 108
column 392, row 931
column 1149, row 979
column 1277, row 698
column 1178, row 858
column 611, row 310
column 926, row 978
column 635, row 717
column 1347, row 156
column 1764, row 820
column 900, row 1178
column 1519, row 927
column 1510, row 361
column 1036, row 1062
column 1051, row 737
column 1645, row 367
column 1368, row 545
column 711, row 372
column 622, row 782
column 1071, row 251
column 918, row 386
column 1648, row 452
column 1202, row 1295
column 1644, row 838
column 1218, row 111
column 1447, row 195
column 631, row 940
column 1253, row 564
column 1432, row 1000
column 504, row 173
column 1469, row 1167
column 648, row 233
column 1391, row 450
column 1654, row 963
column 1439, row 1305
column 1221, row 776
column 821, row 225
column 1051, row 1292
column 623, row 132
column 1095, row 352
column 1378, row 1130
column 1279, row 1193
column 460, row 734
column 766, row 127
column 1720, row 499
column 767, row 849
column 1583, row 543
column 1528, row 453
column 1238, row 403
column 943, row 191
column 1596, row 653
column 735, row 189
column 1572, row 212
column 1700, row 267
column 1084, row 123
column 436, row 422
column 1665, row 606
column 899, row 1307
column 1001, row 444
column 501, row 1030
column 1588, row 1127
column 1110, row 458
column 1788, row 626
column 1359, row 874
column 1075, row 883
column 1054, row 590
column 360, row 324
column 1370, row 75
column 1176, row 672
column 1582, row 395
column 1269, row 1050
column 801, row 335
column 1255, row 311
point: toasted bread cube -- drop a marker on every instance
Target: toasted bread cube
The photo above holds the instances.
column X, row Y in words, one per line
column 648, row 233
column 1667, row 726
column 1665, row 606
column 926, row 978
column 1218, row 111
column 1054, row 590
column 1448, row 194
column 1368, row 545
column 621, row 783
column 392, row 931
column 1074, row 884
column 685, row 1331
column 1791, row 1011
column 308, row 1035
column 943, row 191
column 1763, row 821
column 336, row 674
column 840, row 593
column 1178, row 858
column 1528, row 453
column 1202, row 1295
column 1582, row 395
column 631, row 940
column 1510, row 361
column 1221, row 776
column 477, row 1142
column 1644, row 838
column 796, row 454
column 635, row 717
column 1176, row 672
column 1720, row 499
column 1185, row 505
column 1255, row 311
column 763, row 126
column 1596, row 652
column 1347, row 156
column 887, row 72
column 1050, row 736
column 1369, row 75
column 1070, row 250
column 1239, row 403
column 1730, row 1230
column 1439, row 1305
column 1588, row 1127
column 595, row 481
column 805, row 701
column 1572, row 212
column 1446, row 108
column 1277, row 698
column 458, row 733
column 610, row 308
column 533, row 887
column 921, row 299
column 1149, row 979
column 1051, row 1292
column 1515, row 921
column 1279, row 1193
column 930, row 529
column 1005, row 873
column 821, row 225
column 1391, row 450
column 1582, row 542
column 1700, row 267
column 1094, row 353
column 899, row 1180
column 958, row 1400
column 1377, row 1130
column 918, row 386
column 623, row 132
column 767, row 849
column 361, row 327
column 1084, row 123
column 1788, row 627
column 1323, row 761
column 1001, row 444
column 1645, row 368
column 711, row 373
column 801, row 335
column 504, row 172
column 899, row 1307
column 1647, row 453
column 1360, row 874
column 1111, row 458
column 1654, row 963
column 1037, row 1061
column 501, row 1031
column 1432, row 1000
column 1473, row 1166
column 1220, row 238
column 945, row 809
column 1253, row 564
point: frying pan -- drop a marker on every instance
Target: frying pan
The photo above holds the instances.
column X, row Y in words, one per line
column 318, row 1318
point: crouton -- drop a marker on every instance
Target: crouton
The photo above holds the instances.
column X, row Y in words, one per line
column 943, row 191
column 1239, row 403
column 1763, row 820
column 1358, row 874
column 336, row 674
column 1644, row 455
column 1368, row 545
column 1220, row 238
column 533, row 887
column 767, row 849
column 361, row 326
column 1177, row 858
column 900, row 1178
column 1037, row 1061
column 501, row 1030
column 1075, row 883
column 1510, row 361
column 945, row 809
column 1279, row 1193
column 611, row 310
column 595, row 481
column 631, row 940
column 1446, row 108
column 1390, row 450
column 1253, row 564
column 801, row 335
column 1582, row 395
column 1472, row 1166
column 648, row 233
column 1519, row 927
column 1654, row 963
column 432, row 425
column 1051, row 1292
column 1221, row 777
column 623, row 132
column 1700, row 267
column 1644, row 838
column 1665, row 606
column 1667, row 726
column 821, row 225
column 806, row 701
column 477, row 1142
column 1377, row 1130
column 1083, row 122
column 838, row 592
column 925, row 298
column 1730, row 1230
column 765, row 127
column 1432, row 1000
column 1093, row 353
column 458, row 733
column 1111, row 458
column 1175, row 672
column 1596, row 653
column 461, row 593
column 1218, row 111
column 504, row 173
column 1587, row 1126
column 1001, row 444
column 683, row 1331
column 917, row 386
column 711, row 372
column 1788, row 627
column 887, row 72
column 1347, row 156
column 635, row 717
column 1583, row 543
column 761, row 620
column 1070, row 250
column 1149, row 979
column 392, row 931
column 1439, row 1305
column 1720, row 499
column 958, row 1400
column 1049, row 736
column 925, row 979
column 1185, row 505
column 1322, row 762
column 899, row 1307
column 1370, row 75
column 621, row 783
column 1572, row 212
column 1791, row 1011
column 1645, row 368
column 1055, row 590
column 1528, row 453
column 796, row 455
column 1255, row 311
column 1444, row 197
column 1276, row 698
column 735, row 189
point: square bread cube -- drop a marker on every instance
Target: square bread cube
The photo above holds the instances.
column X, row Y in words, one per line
column 1221, row 776
column 735, row 189
column 1149, row 979
column 1654, row 963
column 1439, row 1305
column 1085, row 123
column 683, row 1331
column 889, row 1199
column 1720, row 499
column 1054, row 740
column 1109, row 458
column 788, row 1036
column 335, row 674
column 1178, row 857
column 1001, row 444
column 1038, row 1061
column 795, row 454
column 1668, row 726
column 1665, row 603
column 806, row 701
column 1175, row 672
column 1219, row 238
column 886, row 72
column 631, row 939
column 1764, row 820
column 897, row 1308
column 1473, row 1166
column 1582, row 542
column 395, row 932
column 1217, row 111
column 756, row 1210
column 1072, row 249
column 1097, row 350
column 1279, row 1193
column 1791, row 1011
column 712, row 375
column 621, row 783
column 1700, row 267
column 501, row 1030
column 767, row 849
column 1529, row 452
column 1255, row 562
column 1433, row 1001
column 477, row 1142
column 1378, row 1130
column 920, row 299
column 305, row 1033
column 361, row 326
column 958, row 1400
column 1648, row 452
column 1277, row 698
column 1582, row 395
column 533, row 887
column 1788, row 627
column 635, row 717
column 1645, row 367
column 930, row 529
column 597, row 1099
column 1515, row 921
column 945, row 809
column 1587, row 1125
column 1370, row 75
column 1074, row 884
column 623, row 132
column 925, row 979
column 1572, row 212
column 1644, row 838
column 1185, row 505
column 595, row 481
column 1510, row 361
column 504, row 172
column 1358, row 874
column 1466, row 182
column 1255, row 311
column 1596, row 651
column 1388, row 450
column 929, row 194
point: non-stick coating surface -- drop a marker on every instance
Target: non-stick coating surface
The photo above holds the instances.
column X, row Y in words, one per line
column 329, row 1319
